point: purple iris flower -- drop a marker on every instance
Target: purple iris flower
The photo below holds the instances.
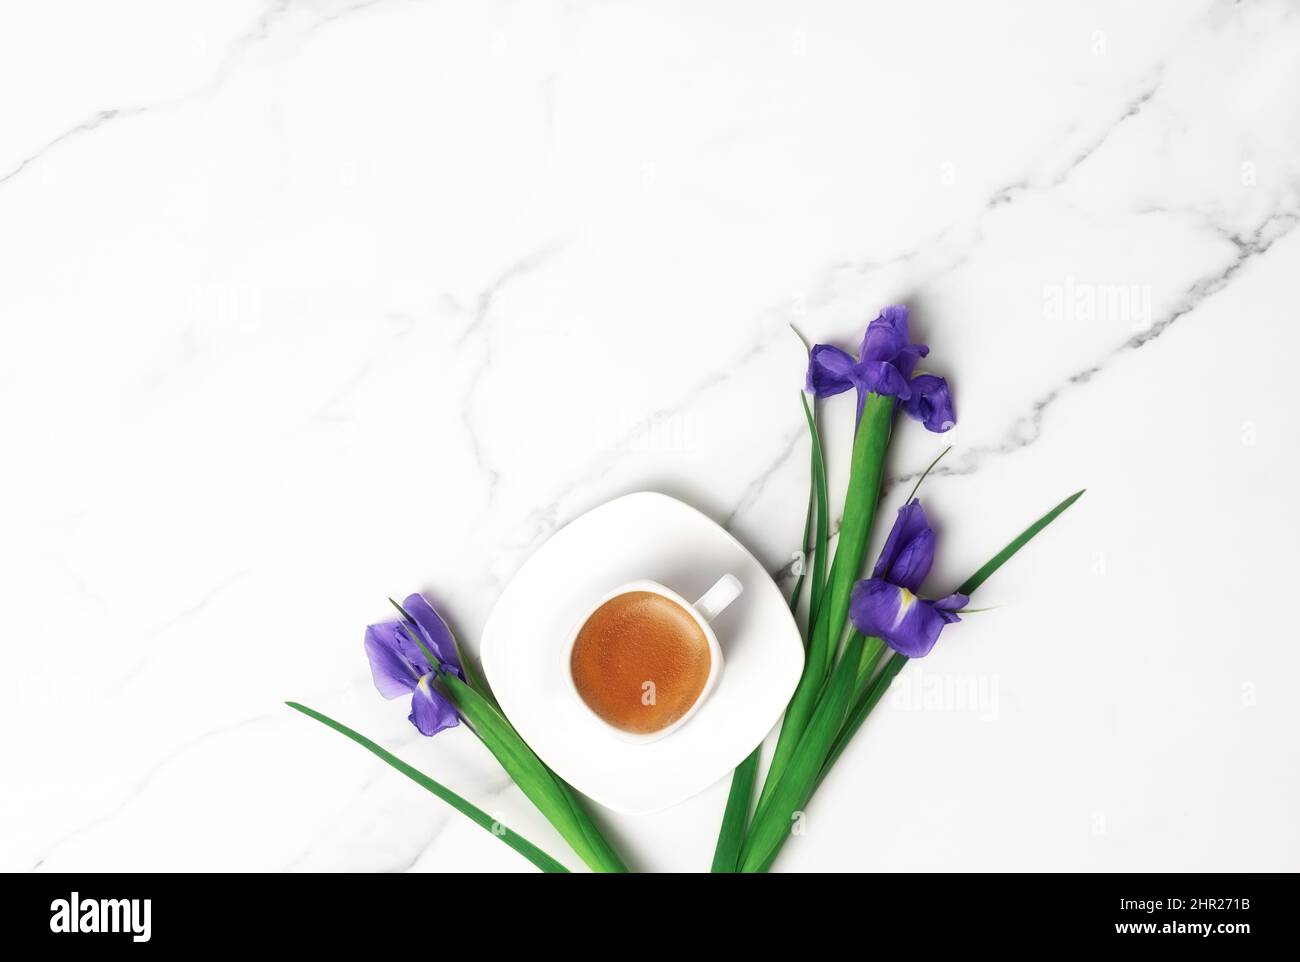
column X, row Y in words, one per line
column 884, row 366
column 399, row 666
column 886, row 606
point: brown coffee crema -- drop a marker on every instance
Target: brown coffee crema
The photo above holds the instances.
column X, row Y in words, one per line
column 640, row 661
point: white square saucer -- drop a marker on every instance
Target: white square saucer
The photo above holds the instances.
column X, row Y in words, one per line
column 643, row 535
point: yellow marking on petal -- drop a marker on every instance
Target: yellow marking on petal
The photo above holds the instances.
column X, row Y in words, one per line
column 905, row 601
column 423, row 685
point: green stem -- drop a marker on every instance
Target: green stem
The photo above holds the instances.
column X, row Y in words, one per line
column 873, row 693
column 869, row 445
column 543, row 788
column 772, row 821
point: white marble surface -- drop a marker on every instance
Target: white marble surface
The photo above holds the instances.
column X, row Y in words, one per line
column 303, row 304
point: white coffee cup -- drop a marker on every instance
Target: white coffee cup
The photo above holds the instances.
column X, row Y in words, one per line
column 707, row 607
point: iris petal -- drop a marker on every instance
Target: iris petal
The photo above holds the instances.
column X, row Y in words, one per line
column 435, row 631
column 885, row 336
column 389, row 665
column 883, row 378
column 887, row 340
column 931, row 403
column 913, row 561
column 905, row 360
column 949, row 606
column 908, row 624
column 874, row 606
column 431, row 712
column 917, row 628
column 830, row 370
column 895, row 315
column 909, row 524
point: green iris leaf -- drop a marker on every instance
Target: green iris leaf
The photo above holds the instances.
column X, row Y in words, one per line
column 880, row 683
column 998, row 560
column 855, row 688
column 731, row 836
column 520, row 844
column 772, row 821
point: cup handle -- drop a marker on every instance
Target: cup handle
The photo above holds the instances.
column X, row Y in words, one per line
column 726, row 590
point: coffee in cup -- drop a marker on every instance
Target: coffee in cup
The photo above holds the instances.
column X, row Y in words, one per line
column 644, row 659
